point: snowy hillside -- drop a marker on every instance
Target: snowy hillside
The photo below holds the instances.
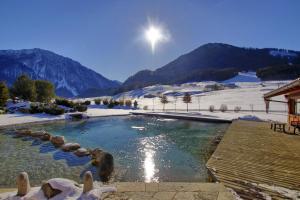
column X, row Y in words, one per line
column 244, row 77
column 219, row 62
column 247, row 95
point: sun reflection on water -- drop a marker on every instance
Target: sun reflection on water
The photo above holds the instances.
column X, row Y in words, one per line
column 148, row 151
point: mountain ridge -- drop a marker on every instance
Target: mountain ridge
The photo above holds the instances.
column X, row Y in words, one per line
column 213, row 62
column 69, row 76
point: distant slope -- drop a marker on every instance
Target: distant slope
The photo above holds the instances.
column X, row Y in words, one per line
column 69, row 77
column 243, row 77
column 215, row 62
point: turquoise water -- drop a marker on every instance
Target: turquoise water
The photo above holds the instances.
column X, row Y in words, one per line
column 144, row 149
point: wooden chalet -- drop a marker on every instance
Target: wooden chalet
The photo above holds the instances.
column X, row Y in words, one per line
column 291, row 92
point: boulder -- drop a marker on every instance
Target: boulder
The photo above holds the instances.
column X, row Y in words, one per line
column 96, row 156
column 87, row 182
column 23, row 184
column 104, row 161
column 70, row 146
column 46, row 137
column 43, row 135
column 49, row 192
column 37, row 134
column 82, row 152
column 57, row 141
column 23, row 132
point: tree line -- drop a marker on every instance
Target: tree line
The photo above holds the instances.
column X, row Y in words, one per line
column 187, row 98
column 27, row 89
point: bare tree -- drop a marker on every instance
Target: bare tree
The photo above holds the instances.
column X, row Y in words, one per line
column 164, row 100
column 187, row 99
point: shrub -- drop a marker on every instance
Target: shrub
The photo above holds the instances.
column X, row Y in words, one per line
column 36, row 108
column 2, row 111
column 4, row 94
column 145, row 108
column 111, row 105
column 237, row 109
column 105, row 102
column 128, row 103
column 135, row 104
column 64, row 102
column 116, row 103
column 24, row 110
column 80, row 107
column 223, row 108
column 51, row 109
column 97, row 101
column 87, row 103
column 211, row 108
column 122, row 102
column 54, row 110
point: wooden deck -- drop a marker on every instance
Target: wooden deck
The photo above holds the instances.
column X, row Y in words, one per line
column 252, row 159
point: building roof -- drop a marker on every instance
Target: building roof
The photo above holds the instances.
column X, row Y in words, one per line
column 284, row 90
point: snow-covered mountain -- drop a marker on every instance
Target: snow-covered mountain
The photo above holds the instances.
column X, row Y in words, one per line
column 219, row 62
column 69, row 77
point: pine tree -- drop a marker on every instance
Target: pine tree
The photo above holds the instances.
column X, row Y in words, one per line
column 24, row 88
column 4, row 94
column 44, row 90
column 187, row 99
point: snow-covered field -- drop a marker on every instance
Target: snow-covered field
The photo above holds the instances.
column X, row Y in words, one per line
column 248, row 96
column 244, row 90
column 244, row 94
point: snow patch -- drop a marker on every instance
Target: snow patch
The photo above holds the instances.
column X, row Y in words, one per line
column 292, row 194
column 243, row 77
column 166, row 120
column 283, row 53
column 250, row 118
column 63, row 84
column 69, row 191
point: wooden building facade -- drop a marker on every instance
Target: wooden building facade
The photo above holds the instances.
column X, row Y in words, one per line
column 291, row 92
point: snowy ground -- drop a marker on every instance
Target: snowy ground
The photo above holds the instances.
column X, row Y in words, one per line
column 246, row 95
column 20, row 118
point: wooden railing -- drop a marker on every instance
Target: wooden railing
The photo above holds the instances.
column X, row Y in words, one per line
column 293, row 118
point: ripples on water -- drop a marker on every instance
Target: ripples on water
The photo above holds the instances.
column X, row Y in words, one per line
column 144, row 149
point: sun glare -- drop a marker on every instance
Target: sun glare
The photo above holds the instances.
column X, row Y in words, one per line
column 154, row 35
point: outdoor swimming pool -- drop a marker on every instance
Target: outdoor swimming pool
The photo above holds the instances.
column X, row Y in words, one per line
column 145, row 149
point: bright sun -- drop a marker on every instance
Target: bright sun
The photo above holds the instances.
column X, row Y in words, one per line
column 153, row 36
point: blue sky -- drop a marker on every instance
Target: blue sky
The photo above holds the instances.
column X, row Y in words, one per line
column 104, row 35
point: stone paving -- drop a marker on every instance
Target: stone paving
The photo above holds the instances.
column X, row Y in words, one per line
column 169, row 191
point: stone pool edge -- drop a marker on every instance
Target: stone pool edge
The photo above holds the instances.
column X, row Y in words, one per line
column 184, row 116
column 55, row 120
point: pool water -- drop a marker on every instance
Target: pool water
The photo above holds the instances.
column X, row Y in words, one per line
column 145, row 149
